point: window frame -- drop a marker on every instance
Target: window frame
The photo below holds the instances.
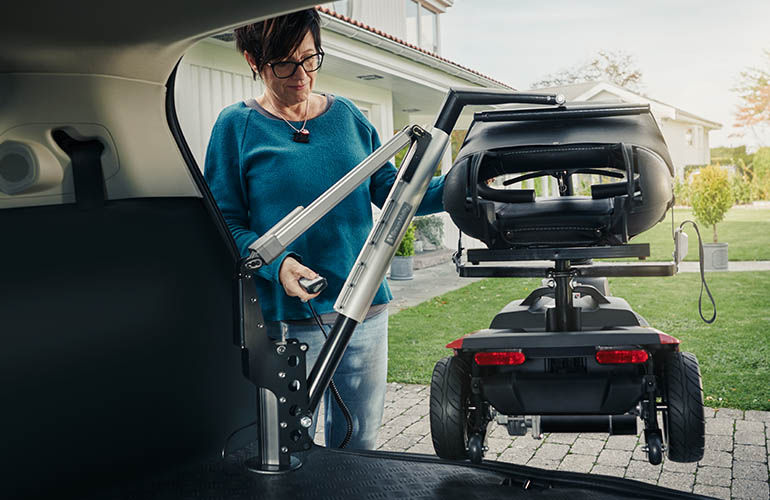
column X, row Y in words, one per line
column 422, row 6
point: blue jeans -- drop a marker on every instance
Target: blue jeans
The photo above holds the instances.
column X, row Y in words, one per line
column 360, row 378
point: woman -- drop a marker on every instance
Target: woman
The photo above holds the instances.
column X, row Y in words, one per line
column 283, row 149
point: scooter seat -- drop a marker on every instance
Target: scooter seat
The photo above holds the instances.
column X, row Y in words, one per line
column 621, row 155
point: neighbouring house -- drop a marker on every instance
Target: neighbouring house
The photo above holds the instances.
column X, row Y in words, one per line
column 384, row 56
column 686, row 134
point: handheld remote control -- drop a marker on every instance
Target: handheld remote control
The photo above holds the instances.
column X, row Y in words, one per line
column 314, row 285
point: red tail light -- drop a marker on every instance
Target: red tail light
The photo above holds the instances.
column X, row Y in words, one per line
column 506, row 358
column 618, row 356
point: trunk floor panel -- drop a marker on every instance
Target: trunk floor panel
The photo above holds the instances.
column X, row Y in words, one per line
column 335, row 474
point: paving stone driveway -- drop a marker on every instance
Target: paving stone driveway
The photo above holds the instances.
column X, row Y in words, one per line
column 735, row 464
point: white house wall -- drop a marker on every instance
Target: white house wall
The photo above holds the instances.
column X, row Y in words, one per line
column 210, row 77
column 378, row 102
column 683, row 154
column 385, row 15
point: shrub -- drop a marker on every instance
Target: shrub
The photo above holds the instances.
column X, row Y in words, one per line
column 689, row 169
column 760, row 188
column 760, row 184
column 581, row 185
column 681, row 192
column 406, row 248
column 710, row 196
column 740, row 187
column 430, row 228
column 538, row 182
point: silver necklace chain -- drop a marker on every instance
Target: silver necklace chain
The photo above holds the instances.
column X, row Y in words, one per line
column 298, row 130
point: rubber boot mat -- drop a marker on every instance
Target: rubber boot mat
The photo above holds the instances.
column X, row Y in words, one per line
column 335, row 474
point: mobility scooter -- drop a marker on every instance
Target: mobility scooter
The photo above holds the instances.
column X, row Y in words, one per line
column 569, row 357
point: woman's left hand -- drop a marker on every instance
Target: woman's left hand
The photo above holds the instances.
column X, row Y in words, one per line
column 290, row 273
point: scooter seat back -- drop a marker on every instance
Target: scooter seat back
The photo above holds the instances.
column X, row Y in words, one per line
column 623, row 156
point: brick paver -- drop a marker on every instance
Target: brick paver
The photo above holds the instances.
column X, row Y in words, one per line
column 735, row 465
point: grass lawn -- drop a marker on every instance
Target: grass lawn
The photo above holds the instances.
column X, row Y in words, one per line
column 734, row 352
column 745, row 229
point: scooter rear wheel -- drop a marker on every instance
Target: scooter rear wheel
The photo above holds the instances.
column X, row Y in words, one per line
column 683, row 420
column 449, row 395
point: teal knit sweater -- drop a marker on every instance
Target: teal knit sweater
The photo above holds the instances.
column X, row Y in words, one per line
column 258, row 174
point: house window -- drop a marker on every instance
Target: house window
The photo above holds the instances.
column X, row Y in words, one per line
column 428, row 31
column 340, row 7
column 412, row 29
column 421, row 26
column 688, row 136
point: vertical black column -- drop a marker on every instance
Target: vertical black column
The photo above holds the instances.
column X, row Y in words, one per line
column 564, row 317
column 328, row 360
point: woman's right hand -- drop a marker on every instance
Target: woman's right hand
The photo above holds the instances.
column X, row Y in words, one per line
column 290, row 273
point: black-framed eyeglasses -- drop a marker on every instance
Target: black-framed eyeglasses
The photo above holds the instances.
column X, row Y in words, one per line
column 286, row 69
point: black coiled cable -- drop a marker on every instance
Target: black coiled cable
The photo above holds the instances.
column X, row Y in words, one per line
column 333, row 388
column 702, row 277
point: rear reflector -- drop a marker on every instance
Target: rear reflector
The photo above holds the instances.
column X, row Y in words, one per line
column 617, row 356
column 499, row 358
column 455, row 344
column 667, row 339
column 458, row 344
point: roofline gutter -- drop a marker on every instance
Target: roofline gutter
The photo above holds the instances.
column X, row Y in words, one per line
column 696, row 120
column 355, row 33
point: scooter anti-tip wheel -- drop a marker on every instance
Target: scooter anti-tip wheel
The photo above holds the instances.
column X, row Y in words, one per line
column 654, row 449
column 476, row 448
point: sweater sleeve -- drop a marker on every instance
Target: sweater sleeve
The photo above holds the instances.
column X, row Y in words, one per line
column 382, row 181
column 224, row 175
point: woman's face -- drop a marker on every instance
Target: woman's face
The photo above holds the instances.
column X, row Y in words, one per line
column 295, row 89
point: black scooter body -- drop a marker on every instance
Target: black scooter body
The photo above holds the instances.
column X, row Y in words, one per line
column 561, row 373
column 569, row 357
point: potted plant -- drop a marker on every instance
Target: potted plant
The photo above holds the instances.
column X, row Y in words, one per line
column 401, row 267
column 429, row 232
column 711, row 198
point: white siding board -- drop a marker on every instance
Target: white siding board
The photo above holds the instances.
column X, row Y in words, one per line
column 386, row 15
column 201, row 93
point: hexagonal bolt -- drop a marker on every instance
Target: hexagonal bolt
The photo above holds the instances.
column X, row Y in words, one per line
column 306, row 422
column 303, row 347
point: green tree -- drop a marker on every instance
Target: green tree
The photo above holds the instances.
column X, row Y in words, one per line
column 616, row 66
column 710, row 196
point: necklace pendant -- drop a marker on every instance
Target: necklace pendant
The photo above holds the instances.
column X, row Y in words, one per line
column 302, row 136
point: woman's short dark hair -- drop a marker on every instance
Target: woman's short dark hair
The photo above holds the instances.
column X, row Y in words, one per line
column 275, row 39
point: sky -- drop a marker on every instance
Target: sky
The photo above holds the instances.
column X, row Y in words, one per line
column 690, row 53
